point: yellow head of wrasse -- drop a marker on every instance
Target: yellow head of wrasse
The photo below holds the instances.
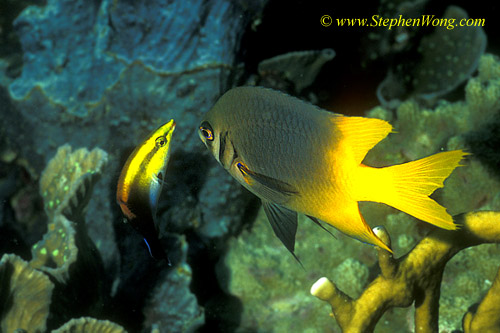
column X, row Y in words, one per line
column 141, row 181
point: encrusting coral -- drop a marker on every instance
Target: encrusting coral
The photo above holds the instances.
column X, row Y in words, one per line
column 443, row 60
column 25, row 295
column 57, row 250
column 65, row 253
column 416, row 278
column 67, row 180
column 298, row 69
column 87, row 324
column 66, row 185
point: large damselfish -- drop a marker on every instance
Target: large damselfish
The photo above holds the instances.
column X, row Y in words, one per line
column 299, row 158
column 140, row 184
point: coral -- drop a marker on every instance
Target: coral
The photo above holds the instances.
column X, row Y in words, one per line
column 116, row 41
column 298, row 69
column 385, row 43
column 485, row 318
column 65, row 252
column 450, row 125
column 11, row 49
column 449, row 56
column 172, row 305
column 25, row 295
column 67, row 255
column 219, row 190
column 106, row 73
column 65, row 185
column 86, row 324
column 446, row 58
column 258, row 271
column 422, row 130
column 416, row 277
column 67, row 180
column 57, row 251
column 353, row 275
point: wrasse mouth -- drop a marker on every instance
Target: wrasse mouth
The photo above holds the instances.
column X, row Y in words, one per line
column 168, row 127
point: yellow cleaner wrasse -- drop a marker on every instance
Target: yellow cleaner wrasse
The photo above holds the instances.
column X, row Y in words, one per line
column 299, row 158
column 140, row 184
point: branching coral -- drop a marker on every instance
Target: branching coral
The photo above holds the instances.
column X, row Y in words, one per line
column 416, row 277
column 486, row 318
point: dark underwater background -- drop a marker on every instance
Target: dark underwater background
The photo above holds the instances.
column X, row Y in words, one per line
column 83, row 82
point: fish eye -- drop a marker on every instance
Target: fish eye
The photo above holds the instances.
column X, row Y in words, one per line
column 160, row 141
column 206, row 131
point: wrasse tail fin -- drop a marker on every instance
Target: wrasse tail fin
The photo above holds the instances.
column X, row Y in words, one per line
column 407, row 186
column 156, row 251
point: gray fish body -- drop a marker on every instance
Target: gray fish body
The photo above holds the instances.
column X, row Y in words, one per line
column 300, row 159
column 274, row 135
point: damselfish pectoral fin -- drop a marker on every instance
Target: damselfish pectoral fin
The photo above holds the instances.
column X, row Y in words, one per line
column 284, row 224
column 266, row 187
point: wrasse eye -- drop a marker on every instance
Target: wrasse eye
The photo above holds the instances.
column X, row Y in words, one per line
column 206, row 131
column 160, row 141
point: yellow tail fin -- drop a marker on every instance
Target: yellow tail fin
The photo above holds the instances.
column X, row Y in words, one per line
column 407, row 186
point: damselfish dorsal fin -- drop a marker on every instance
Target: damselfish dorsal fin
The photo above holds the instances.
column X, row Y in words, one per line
column 284, row 224
column 361, row 134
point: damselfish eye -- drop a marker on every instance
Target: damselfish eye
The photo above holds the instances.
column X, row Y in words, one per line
column 160, row 141
column 206, row 131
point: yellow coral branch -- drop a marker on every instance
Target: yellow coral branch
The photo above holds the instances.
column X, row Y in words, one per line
column 486, row 318
column 416, row 277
